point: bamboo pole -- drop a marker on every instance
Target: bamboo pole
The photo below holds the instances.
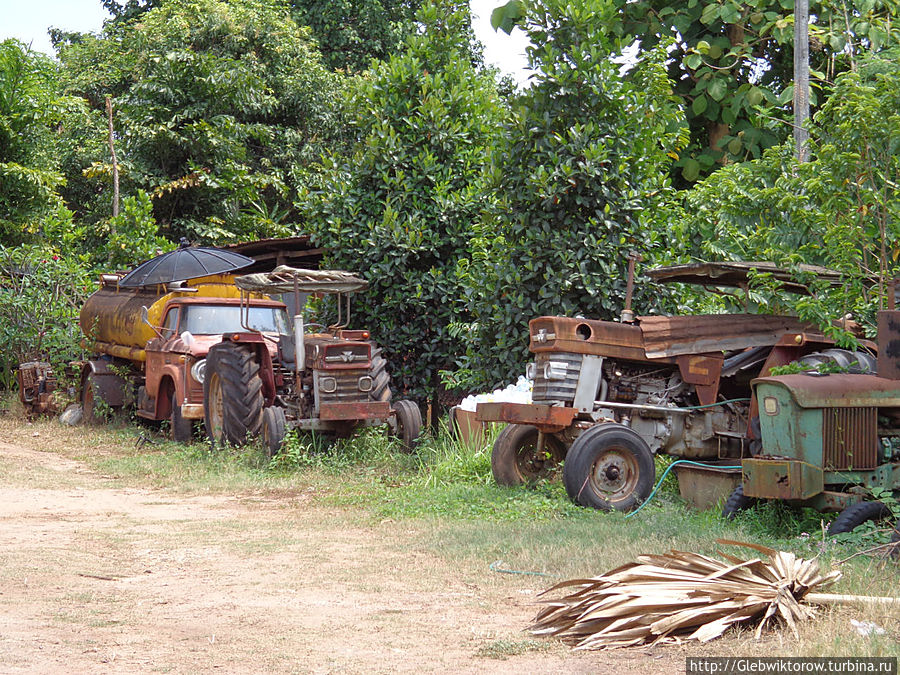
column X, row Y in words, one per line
column 840, row 599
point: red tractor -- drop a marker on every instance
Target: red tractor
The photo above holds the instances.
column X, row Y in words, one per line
column 309, row 376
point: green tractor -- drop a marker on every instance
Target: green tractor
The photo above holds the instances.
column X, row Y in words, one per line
column 830, row 441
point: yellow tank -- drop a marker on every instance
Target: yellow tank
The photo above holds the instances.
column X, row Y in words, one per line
column 111, row 317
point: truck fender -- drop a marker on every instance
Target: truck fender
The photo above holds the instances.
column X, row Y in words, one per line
column 172, row 376
column 110, row 387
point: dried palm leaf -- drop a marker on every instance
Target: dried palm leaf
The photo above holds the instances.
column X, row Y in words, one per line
column 681, row 596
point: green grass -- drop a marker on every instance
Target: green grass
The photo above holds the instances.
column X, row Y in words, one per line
column 447, row 495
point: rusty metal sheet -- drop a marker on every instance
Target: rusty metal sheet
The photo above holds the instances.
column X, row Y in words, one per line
column 676, row 335
column 705, row 486
column 542, row 416
column 355, row 411
column 838, row 390
column 781, row 478
column 736, row 274
column 585, row 336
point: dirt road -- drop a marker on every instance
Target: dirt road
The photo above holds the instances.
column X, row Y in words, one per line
column 96, row 578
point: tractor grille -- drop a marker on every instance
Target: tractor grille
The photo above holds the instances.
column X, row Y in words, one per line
column 849, row 438
column 556, row 376
column 347, row 390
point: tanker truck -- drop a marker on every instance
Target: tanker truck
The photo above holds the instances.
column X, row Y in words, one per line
column 150, row 345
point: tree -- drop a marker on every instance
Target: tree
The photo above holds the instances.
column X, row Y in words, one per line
column 351, row 33
column 579, row 175
column 731, row 62
column 31, row 112
column 219, row 109
column 400, row 209
column 841, row 209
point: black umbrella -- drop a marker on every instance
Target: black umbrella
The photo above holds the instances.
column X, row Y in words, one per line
column 185, row 262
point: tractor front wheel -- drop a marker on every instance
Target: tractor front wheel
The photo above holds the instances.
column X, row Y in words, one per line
column 232, row 394
column 409, row 423
column 609, row 467
column 516, row 460
column 273, row 429
column 737, row 502
column 857, row 514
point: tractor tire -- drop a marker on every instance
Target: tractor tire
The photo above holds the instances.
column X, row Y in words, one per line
column 737, row 502
column 181, row 430
column 857, row 514
column 609, row 467
column 855, row 362
column 232, row 394
column 273, row 429
column 894, row 550
column 514, row 459
column 409, row 424
column 381, row 387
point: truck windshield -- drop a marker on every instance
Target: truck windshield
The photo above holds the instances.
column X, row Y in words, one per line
column 217, row 319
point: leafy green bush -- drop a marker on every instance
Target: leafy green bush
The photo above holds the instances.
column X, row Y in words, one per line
column 841, row 209
column 400, row 210
column 41, row 294
column 578, row 177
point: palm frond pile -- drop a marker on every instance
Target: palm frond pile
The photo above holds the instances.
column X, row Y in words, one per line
column 681, row 596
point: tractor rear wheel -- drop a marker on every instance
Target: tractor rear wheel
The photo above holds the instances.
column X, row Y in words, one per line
column 273, row 429
column 515, row 459
column 409, row 423
column 232, row 394
column 853, row 361
column 609, row 467
column 857, row 514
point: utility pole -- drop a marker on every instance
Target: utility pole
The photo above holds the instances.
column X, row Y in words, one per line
column 801, row 79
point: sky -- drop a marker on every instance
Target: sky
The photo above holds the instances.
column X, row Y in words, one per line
column 28, row 21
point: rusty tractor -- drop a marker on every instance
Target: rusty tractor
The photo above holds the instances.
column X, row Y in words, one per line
column 829, row 440
column 312, row 377
column 609, row 395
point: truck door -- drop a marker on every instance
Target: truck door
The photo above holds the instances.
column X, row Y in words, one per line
column 159, row 351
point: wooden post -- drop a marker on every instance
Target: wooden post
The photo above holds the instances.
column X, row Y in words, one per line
column 801, row 79
column 115, row 163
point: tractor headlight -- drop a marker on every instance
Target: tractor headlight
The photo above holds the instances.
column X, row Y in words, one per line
column 328, row 385
column 198, row 371
column 365, row 383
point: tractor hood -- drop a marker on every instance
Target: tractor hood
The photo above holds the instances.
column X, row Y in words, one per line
column 835, row 390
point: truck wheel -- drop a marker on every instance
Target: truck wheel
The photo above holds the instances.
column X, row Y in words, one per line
column 273, row 429
column 409, row 424
column 736, row 503
column 857, row 514
column 515, row 461
column 609, row 467
column 181, row 430
column 232, row 394
column 89, row 412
